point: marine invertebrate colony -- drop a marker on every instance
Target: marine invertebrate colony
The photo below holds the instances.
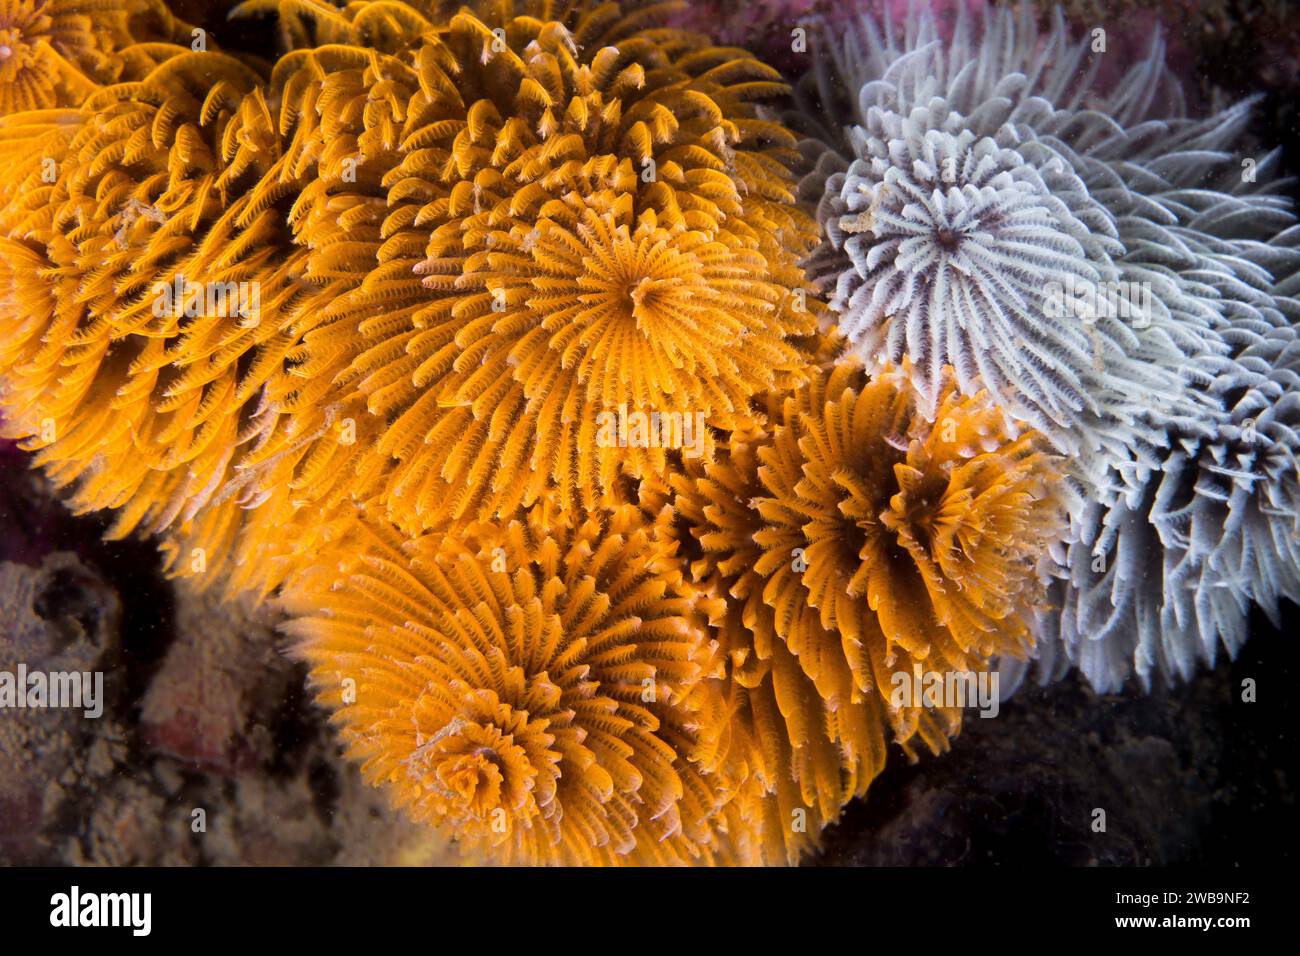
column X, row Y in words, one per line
column 1222, row 517
column 586, row 219
column 474, row 236
column 1097, row 261
column 604, row 224
column 138, row 403
column 506, row 679
column 419, row 223
column 520, row 685
column 54, row 53
column 853, row 539
column 452, row 299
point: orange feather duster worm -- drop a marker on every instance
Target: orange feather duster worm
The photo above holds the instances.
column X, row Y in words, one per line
column 533, row 688
column 545, row 223
column 55, row 53
column 770, row 710
column 482, row 243
column 919, row 538
column 132, row 391
column 851, row 540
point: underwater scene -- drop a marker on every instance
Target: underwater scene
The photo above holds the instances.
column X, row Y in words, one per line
column 602, row 433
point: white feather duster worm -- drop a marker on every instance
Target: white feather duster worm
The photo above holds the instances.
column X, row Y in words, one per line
column 1096, row 260
column 1165, row 575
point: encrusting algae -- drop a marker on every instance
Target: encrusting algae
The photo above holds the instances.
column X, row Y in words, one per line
column 467, row 236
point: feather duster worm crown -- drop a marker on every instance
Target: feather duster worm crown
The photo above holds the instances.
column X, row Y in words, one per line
column 538, row 235
column 148, row 399
column 982, row 207
column 1056, row 243
column 888, row 512
column 1223, row 517
column 55, row 53
column 852, row 540
column 443, row 204
column 533, row 687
